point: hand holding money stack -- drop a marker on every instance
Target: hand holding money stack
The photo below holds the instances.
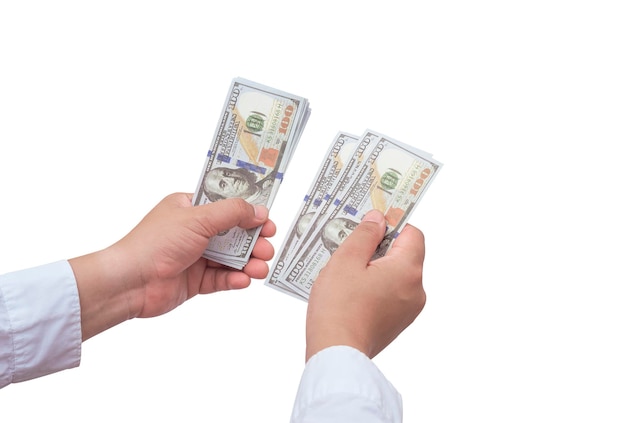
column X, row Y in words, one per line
column 357, row 175
column 258, row 131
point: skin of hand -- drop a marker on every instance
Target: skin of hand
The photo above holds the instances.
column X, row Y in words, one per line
column 367, row 304
column 158, row 265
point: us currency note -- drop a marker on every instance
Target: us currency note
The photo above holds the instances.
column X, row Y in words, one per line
column 341, row 183
column 393, row 179
column 337, row 155
column 255, row 138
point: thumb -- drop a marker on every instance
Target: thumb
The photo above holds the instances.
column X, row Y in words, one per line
column 361, row 244
column 228, row 213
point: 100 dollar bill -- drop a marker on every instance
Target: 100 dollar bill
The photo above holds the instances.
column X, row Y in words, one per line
column 393, row 179
column 338, row 188
column 253, row 143
column 338, row 154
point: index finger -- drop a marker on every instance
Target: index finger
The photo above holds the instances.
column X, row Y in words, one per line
column 409, row 242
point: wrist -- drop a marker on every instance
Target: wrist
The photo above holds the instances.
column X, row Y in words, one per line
column 108, row 290
column 331, row 336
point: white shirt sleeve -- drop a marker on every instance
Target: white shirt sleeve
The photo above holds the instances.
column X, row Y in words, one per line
column 341, row 384
column 40, row 330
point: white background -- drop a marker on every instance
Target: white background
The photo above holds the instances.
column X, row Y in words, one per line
column 106, row 107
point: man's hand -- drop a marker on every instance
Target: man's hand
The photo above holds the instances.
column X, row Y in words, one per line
column 158, row 265
column 367, row 304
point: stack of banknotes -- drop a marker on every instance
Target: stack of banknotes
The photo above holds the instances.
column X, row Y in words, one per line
column 257, row 133
column 358, row 174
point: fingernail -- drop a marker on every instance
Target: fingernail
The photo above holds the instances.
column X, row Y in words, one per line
column 373, row 216
column 260, row 211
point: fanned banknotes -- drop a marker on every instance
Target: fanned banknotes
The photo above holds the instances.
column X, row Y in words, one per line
column 256, row 135
column 338, row 156
column 384, row 174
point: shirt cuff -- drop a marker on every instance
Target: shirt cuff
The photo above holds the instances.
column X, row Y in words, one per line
column 341, row 383
column 41, row 333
